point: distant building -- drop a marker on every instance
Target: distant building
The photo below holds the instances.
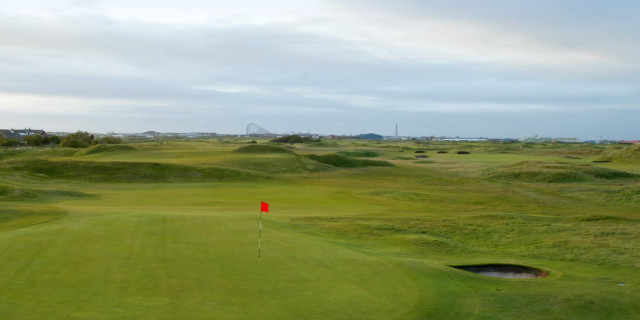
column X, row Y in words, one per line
column 566, row 140
column 371, row 136
column 19, row 134
column 464, row 139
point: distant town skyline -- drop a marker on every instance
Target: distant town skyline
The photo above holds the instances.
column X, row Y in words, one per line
column 457, row 68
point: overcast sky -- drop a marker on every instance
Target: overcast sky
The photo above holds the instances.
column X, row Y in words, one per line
column 510, row 68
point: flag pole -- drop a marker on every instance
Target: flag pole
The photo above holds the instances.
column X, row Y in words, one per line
column 260, row 232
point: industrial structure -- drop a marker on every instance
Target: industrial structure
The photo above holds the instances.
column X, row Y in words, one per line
column 254, row 130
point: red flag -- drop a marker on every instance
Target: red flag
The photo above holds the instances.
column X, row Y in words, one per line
column 264, row 207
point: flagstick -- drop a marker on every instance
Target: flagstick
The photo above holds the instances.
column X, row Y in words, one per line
column 260, row 233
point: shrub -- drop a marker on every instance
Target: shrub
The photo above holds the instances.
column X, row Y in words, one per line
column 80, row 139
column 33, row 140
column 295, row 138
column 10, row 142
column 51, row 140
column 110, row 140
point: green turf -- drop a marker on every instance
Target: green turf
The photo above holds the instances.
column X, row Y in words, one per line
column 261, row 148
column 554, row 172
column 359, row 153
column 168, row 230
column 125, row 171
column 101, row 148
column 341, row 161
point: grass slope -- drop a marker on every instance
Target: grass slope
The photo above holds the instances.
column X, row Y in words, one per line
column 359, row 153
column 627, row 154
column 127, row 171
column 102, row 148
column 262, row 148
column 341, row 161
column 336, row 244
column 547, row 172
column 16, row 216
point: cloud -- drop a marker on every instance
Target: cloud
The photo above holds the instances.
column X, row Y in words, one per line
column 317, row 61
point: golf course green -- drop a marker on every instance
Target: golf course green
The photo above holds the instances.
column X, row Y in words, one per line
column 355, row 230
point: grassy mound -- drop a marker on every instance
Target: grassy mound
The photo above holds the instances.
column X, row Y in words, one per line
column 127, row 171
column 275, row 163
column 19, row 216
column 10, row 193
column 548, row 172
column 341, row 161
column 263, row 148
column 103, row 148
column 631, row 153
column 359, row 153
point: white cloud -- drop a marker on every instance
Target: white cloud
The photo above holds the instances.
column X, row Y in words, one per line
column 61, row 105
column 198, row 60
column 231, row 89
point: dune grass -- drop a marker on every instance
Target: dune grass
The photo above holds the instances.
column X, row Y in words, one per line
column 341, row 161
column 263, row 148
column 169, row 231
column 359, row 153
column 101, row 148
column 126, row 171
column 554, row 172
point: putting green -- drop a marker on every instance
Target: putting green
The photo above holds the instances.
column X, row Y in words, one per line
column 162, row 263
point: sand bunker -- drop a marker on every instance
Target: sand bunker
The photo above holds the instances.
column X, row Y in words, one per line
column 506, row 271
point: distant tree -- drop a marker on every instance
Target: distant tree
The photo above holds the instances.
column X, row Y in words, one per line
column 110, row 140
column 10, row 142
column 80, row 139
column 51, row 140
column 33, row 140
column 295, row 138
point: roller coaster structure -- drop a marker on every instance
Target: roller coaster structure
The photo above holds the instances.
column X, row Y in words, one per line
column 256, row 130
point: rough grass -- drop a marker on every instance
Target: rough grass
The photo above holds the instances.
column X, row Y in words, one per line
column 337, row 244
column 275, row 163
column 103, row 148
column 341, row 161
column 359, row 153
column 127, row 171
column 11, row 193
column 627, row 154
column 263, row 148
column 611, row 239
column 553, row 172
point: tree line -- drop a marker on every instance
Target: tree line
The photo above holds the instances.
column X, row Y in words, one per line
column 80, row 139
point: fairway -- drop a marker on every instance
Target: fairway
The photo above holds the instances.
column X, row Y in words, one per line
column 355, row 230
